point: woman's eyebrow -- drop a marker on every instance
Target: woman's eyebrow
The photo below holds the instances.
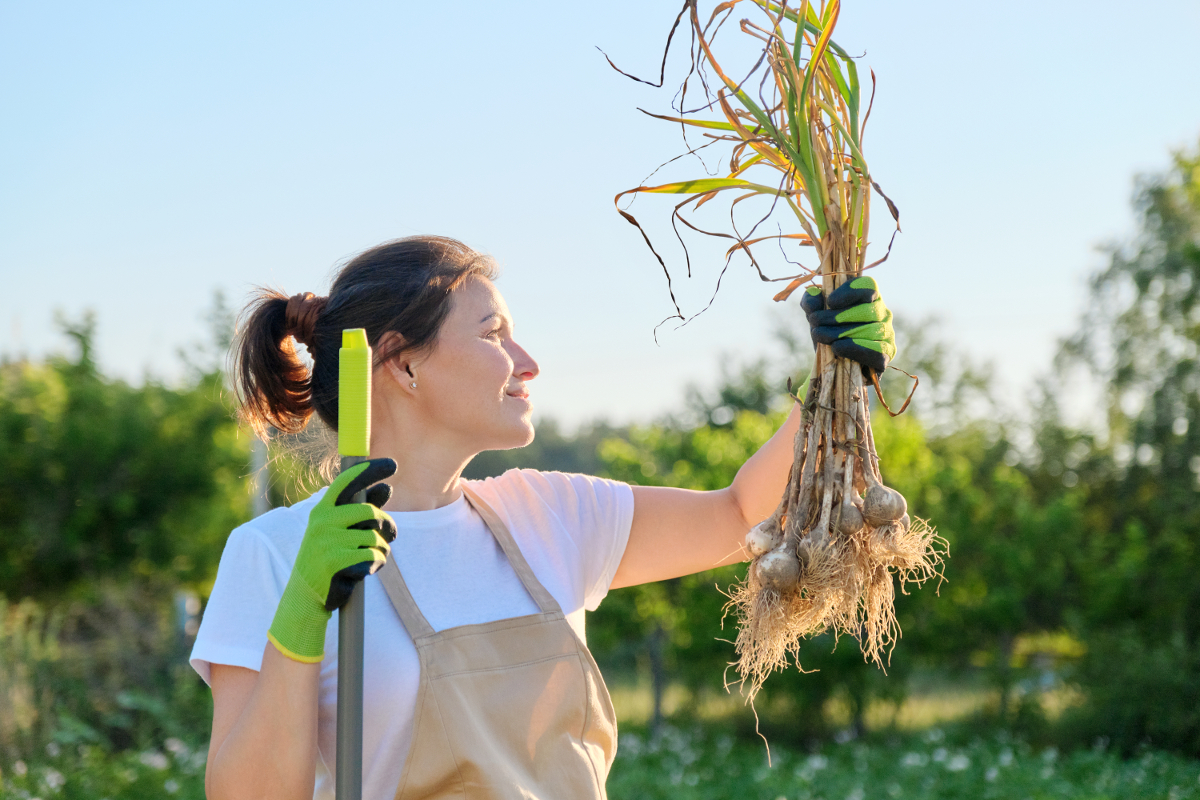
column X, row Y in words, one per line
column 489, row 316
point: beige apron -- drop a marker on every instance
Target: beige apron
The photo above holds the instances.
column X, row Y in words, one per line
column 514, row 708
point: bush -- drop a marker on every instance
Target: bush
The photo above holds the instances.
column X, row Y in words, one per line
column 101, row 479
column 1139, row 693
column 105, row 668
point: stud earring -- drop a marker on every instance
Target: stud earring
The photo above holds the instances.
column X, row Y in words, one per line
column 413, row 384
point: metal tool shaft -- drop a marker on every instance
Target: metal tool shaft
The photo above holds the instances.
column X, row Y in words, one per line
column 351, row 622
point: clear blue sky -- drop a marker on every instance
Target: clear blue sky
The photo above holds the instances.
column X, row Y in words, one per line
column 153, row 153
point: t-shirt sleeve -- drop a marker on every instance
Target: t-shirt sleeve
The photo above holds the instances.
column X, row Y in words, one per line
column 250, row 581
column 598, row 514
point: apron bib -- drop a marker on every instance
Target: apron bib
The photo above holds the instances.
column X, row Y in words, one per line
column 514, row 708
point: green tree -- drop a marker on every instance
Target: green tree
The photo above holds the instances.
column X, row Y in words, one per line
column 1137, row 567
column 103, row 479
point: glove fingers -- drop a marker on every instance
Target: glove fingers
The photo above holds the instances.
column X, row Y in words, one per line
column 854, row 321
column 867, row 312
column 382, row 523
column 388, row 530
column 367, row 559
column 343, row 582
column 868, row 353
column 379, row 494
column 348, row 516
column 812, row 300
column 354, row 540
column 853, row 293
column 359, row 477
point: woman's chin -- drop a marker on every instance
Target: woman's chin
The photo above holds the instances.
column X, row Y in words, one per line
column 518, row 433
column 524, row 435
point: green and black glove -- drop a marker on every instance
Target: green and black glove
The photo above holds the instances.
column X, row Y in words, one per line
column 343, row 543
column 853, row 321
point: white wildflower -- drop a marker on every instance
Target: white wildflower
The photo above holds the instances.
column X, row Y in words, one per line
column 20, row 768
column 53, row 750
column 991, row 774
column 154, row 759
column 940, row 754
column 171, row 786
column 958, row 763
column 1006, row 757
column 54, row 779
column 176, row 747
column 914, row 760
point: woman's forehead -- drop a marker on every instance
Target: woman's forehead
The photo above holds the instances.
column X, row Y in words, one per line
column 478, row 299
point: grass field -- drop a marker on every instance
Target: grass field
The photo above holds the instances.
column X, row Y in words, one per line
column 924, row 749
column 702, row 764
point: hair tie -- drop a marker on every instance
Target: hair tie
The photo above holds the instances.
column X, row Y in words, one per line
column 301, row 316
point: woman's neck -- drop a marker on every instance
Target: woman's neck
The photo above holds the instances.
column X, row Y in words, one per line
column 428, row 465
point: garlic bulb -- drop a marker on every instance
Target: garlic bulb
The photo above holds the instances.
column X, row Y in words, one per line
column 883, row 505
column 851, row 519
column 778, row 570
column 762, row 538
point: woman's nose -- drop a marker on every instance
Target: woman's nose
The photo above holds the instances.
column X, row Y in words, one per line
column 524, row 367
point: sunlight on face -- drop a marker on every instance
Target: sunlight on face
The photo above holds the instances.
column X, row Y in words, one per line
column 474, row 382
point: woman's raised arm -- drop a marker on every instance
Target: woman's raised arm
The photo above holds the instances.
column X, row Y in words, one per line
column 679, row 531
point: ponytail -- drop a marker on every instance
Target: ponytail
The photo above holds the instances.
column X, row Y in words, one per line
column 274, row 386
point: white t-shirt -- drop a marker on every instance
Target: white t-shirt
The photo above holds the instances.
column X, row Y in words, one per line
column 572, row 529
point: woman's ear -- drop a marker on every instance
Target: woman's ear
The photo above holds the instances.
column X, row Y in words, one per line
column 399, row 367
column 398, row 371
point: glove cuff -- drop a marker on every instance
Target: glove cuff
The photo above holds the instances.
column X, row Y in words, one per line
column 298, row 630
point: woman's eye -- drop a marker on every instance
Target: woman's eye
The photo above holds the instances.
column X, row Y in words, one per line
column 494, row 333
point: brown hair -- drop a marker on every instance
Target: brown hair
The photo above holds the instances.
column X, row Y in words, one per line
column 402, row 286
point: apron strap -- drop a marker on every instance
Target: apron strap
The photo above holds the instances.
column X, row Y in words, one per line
column 402, row 599
column 545, row 601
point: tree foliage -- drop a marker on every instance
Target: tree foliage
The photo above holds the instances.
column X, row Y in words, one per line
column 1137, row 566
column 102, row 479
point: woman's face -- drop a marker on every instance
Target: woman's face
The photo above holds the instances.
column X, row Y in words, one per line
column 474, row 383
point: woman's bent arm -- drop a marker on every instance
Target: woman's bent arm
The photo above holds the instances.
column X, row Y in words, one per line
column 679, row 532
column 264, row 736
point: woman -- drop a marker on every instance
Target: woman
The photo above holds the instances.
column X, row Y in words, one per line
column 477, row 681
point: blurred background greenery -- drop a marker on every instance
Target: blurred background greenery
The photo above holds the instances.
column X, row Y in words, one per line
column 1068, row 618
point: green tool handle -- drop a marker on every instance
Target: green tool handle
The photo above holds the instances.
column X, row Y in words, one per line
column 354, row 443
